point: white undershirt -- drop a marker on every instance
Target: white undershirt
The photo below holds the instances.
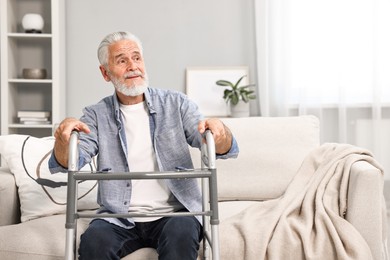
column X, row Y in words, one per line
column 147, row 195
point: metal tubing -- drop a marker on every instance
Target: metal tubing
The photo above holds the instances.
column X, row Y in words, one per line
column 129, row 215
column 214, row 219
column 210, row 149
column 206, row 224
column 208, row 238
column 71, row 204
column 141, row 175
column 205, row 207
column 213, row 192
column 69, row 244
column 215, row 245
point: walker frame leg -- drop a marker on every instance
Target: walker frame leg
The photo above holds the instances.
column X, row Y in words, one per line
column 71, row 203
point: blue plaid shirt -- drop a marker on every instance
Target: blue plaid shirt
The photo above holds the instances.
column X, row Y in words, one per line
column 173, row 126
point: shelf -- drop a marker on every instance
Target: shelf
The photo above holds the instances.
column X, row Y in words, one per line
column 20, row 50
column 29, row 81
column 48, row 126
column 37, row 49
column 29, row 35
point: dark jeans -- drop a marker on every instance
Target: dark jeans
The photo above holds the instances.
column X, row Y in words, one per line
column 172, row 237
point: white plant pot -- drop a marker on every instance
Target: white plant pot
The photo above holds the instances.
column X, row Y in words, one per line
column 32, row 23
column 240, row 110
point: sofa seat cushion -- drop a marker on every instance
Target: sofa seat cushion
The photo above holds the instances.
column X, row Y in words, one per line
column 44, row 238
column 38, row 239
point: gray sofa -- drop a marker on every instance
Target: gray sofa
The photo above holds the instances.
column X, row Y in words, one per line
column 271, row 152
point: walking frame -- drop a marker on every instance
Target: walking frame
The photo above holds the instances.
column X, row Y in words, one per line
column 207, row 173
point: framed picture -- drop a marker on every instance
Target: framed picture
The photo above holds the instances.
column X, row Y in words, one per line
column 202, row 89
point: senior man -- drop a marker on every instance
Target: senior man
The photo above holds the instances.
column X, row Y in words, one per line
column 140, row 128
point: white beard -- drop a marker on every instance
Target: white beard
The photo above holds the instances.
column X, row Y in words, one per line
column 132, row 91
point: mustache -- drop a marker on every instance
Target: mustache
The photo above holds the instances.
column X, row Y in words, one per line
column 133, row 74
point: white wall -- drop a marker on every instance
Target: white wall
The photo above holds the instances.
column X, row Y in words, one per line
column 176, row 34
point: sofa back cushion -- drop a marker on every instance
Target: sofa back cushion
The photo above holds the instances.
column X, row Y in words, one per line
column 40, row 192
column 271, row 151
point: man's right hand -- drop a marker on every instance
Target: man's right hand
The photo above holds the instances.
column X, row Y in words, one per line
column 62, row 136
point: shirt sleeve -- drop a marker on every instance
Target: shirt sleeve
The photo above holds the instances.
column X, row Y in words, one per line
column 54, row 166
column 87, row 145
column 194, row 116
column 232, row 153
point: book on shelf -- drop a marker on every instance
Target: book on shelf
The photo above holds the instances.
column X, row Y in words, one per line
column 32, row 113
column 38, row 119
column 30, row 117
column 32, row 122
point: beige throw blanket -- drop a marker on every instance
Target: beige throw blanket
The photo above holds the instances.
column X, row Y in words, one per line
column 307, row 221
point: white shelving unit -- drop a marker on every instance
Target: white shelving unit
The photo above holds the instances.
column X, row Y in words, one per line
column 21, row 50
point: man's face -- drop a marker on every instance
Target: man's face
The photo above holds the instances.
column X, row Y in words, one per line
column 126, row 68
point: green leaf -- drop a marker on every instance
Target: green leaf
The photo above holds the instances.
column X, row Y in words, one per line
column 247, row 86
column 234, row 100
column 244, row 97
column 238, row 81
column 226, row 94
column 224, row 83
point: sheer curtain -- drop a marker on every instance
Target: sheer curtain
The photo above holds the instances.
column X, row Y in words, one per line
column 329, row 58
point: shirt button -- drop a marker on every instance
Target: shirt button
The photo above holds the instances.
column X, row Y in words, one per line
column 125, row 203
column 128, row 184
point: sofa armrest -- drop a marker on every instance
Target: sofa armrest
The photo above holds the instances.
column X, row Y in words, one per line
column 366, row 209
column 9, row 201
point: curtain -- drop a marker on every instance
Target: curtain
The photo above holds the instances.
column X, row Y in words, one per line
column 331, row 59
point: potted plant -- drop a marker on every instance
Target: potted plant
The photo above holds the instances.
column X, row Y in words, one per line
column 237, row 96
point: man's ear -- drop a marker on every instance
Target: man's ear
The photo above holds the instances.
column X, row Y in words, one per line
column 104, row 73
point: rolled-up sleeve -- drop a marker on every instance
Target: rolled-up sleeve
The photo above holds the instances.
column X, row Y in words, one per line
column 232, row 153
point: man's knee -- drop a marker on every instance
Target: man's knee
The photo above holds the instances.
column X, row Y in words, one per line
column 180, row 239
column 97, row 243
column 97, row 233
column 182, row 230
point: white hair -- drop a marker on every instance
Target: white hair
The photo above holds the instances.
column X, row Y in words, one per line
column 113, row 38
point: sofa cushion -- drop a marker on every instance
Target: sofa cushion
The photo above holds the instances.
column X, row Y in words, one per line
column 40, row 239
column 271, row 151
column 44, row 238
column 27, row 158
column 9, row 202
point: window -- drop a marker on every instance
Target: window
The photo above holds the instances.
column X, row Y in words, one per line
column 336, row 50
